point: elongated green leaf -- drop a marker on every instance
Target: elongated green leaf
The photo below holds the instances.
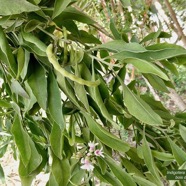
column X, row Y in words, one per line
column 29, row 103
column 140, row 109
column 56, row 136
column 4, row 103
column 34, row 43
column 85, row 37
column 155, row 35
column 126, row 3
column 156, row 82
column 2, row 175
column 27, row 173
column 11, row 7
column 21, row 140
column 26, row 62
column 162, row 155
column 179, row 154
column 182, row 130
column 104, row 136
column 131, row 168
column 143, row 182
column 170, row 66
column 121, row 74
column 77, row 178
column 162, row 46
column 61, row 171
column 54, row 101
column 32, row 25
column 120, row 173
column 67, row 89
column 146, row 67
column 120, row 45
column 52, row 181
column 18, row 89
column 71, row 13
column 107, row 177
column 38, row 83
column 114, row 30
column 149, row 161
column 59, row 6
column 151, row 55
column 20, row 61
column 71, row 131
column 6, row 54
column 80, row 91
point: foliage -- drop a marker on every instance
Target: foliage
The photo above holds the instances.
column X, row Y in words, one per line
column 63, row 95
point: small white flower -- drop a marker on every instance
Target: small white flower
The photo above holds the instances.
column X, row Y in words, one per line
column 92, row 146
column 99, row 152
column 86, row 164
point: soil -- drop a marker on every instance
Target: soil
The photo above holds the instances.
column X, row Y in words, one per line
column 10, row 167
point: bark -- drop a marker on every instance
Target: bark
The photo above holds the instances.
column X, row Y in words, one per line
column 177, row 100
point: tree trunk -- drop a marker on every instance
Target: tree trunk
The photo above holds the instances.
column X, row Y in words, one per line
column 177, row 100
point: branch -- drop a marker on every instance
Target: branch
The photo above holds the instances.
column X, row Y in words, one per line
column 174, row 18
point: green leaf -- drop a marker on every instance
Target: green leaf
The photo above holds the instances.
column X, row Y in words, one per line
column 18, row 89
column 71, row 131
column 131, row 168
column 26, row 62
column 151, row 55
column 182, row 130
column 76, row 178
column 156, row 82
column 170, row 66
column 140, row 109
column 114, row 30
column 32, row 25
column 57, row 136
column 67, row 89
column 120, row 173
column 85, row 37
column 34, row 43
column 21, row 140
column 2, row 175
column 162, row 155
column 154, row 35
column 149, row 161
column 61, row 171
column 121, row 74
column 54, row 101
column 38, row 83
column 6, row 54
column 143, row 182
column 126, row 3
column 60, row 6
column 70, row 13
column 52, row 181
column 11, row 7
column 4, row 103
column 20, row 61
column 179, row 153
column 104, row 136
column 29, row 103
column 120, row 45
column 146, row 67
column 107, row 177
column 80, row 90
